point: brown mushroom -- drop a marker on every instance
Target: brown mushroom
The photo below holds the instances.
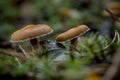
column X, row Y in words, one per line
column 30, row 32
column 72, row 35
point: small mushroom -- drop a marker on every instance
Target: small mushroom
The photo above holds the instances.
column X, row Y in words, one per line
column 72, row 35
column 30, row 32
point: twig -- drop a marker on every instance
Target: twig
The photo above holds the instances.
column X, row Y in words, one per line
column 113, row 15
column 21, row 48
column 18, row 61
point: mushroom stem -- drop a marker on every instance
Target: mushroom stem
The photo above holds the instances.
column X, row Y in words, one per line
column 23, row 51
column 72, row 47
column 34, row 42
column 73, row 43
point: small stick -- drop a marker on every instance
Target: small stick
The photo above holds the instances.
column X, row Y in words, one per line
column 113, row 15
column 18, row 61
column 23, row 51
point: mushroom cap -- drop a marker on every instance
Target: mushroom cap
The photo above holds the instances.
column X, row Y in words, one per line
column 72, row 33
column 30, row 32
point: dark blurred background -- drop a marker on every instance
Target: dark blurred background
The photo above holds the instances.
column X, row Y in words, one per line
column 59, row 14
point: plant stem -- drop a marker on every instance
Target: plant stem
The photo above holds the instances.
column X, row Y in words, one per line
column 18, row 61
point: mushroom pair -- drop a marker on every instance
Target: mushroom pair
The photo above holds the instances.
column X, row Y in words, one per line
column 30, row 33
column 72, row 35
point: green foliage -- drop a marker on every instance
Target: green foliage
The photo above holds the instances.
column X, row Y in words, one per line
column 48, row 68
